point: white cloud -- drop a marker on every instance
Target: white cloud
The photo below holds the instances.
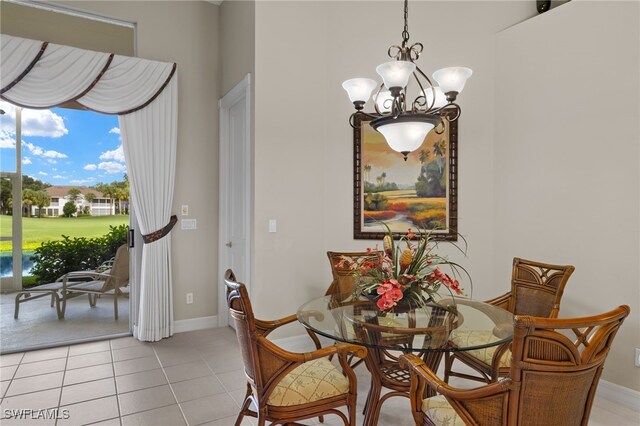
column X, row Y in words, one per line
column 54, row 169
column 58, row 177
column 42, row 122
column 115, row 130
column 112, row 167
column 81, row 181
column 40, row 152
column 6, row 141
column 50, row 161
column 26, row 160
column 90, row 167
column 54, row 154
column 43, row 174
column 117, row 155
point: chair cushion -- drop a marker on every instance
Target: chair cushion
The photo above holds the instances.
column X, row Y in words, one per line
column 441, row 413
column 309, row 382
column 480, row 337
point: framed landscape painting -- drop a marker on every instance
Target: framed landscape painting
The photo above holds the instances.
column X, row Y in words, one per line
column 420, row 193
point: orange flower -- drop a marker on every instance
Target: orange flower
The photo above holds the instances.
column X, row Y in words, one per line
column 405, row 260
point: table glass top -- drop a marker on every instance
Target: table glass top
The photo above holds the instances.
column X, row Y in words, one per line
column 470, row 324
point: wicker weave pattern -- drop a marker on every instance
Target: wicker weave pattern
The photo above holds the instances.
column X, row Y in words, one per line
column 552, row 379
column 286, row 386
column 536, row 290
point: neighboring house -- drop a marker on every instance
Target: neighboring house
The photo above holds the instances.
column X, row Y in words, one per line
column 101, row 205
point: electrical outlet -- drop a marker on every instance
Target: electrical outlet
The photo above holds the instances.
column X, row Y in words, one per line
column 189, row 298
column 637, row 357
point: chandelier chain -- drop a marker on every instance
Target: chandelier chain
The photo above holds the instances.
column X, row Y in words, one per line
column 405, row 32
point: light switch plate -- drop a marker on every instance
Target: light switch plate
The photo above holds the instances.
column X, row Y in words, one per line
column 272, row 225
column 188, row 224
column 185, row 210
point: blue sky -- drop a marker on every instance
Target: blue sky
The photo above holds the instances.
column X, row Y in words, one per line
column 63, row 146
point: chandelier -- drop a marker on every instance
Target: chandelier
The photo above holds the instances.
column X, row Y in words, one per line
column 403, row 122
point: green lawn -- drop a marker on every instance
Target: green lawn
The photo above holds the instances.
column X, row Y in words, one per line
column 37, row 230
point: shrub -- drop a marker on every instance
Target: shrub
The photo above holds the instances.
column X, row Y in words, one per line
column 55, row 258
column 69, row 208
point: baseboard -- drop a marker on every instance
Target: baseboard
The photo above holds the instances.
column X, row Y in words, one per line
column 619, row 394
column 194, row 324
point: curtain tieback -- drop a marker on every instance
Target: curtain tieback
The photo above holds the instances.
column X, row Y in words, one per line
column 160, row 233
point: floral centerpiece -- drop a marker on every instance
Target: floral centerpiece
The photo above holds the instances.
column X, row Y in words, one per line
column 408, row 272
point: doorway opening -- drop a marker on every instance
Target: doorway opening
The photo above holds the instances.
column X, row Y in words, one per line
column 64, row 207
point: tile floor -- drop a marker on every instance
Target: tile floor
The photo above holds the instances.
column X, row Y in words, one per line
column 193, row 378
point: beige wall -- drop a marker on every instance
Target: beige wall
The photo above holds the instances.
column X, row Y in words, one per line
column 38, row 24
column 567, row 159
column 186, row 33
column 237, row 41
column 303, row 143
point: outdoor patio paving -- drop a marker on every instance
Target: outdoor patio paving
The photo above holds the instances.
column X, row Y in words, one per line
column 38, row 323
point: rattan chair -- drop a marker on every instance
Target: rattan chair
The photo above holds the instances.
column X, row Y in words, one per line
column 536, row 290
column 284, row 386
column 552, row 379
column 342, row 287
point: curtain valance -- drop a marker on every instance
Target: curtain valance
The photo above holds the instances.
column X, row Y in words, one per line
column 38, row 74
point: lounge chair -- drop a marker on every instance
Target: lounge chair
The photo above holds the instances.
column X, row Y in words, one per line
column 114, row 283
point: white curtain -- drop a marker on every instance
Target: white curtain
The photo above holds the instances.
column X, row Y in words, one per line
column 144, row 94
column 151, row 162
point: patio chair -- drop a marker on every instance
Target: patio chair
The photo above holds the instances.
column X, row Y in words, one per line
column 55, row 288
column 112, row 283
column 552, row 379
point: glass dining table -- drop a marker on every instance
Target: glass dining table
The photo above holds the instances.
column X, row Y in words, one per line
column 424, row 330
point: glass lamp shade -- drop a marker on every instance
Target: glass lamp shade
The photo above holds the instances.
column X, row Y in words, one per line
column 359, row 89
column 407, row 132
column 441, row 98
column 383, row 101
column 396, row 73
column 452, row 79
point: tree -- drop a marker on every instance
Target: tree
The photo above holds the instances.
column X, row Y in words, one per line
column 41, row 199
column 28, row 199
column 69, row 209
column 74, row 194
column 367, row 172
column 89, row 196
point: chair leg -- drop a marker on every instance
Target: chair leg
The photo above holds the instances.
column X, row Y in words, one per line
column 92, row 300
column 115, row 304
column 448, row 363
column 17, row 309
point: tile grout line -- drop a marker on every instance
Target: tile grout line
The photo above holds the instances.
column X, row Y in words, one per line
column 184, row 416
column 115, row 382
column 64, row 372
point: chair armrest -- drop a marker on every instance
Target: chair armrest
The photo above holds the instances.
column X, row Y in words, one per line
column 300, row 357
column 419, row 369
column 266, row 327
column 500, row 301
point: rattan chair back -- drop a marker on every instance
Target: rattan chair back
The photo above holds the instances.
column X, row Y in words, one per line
column 552, row 379
column 343, row 278
column 537, row 288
